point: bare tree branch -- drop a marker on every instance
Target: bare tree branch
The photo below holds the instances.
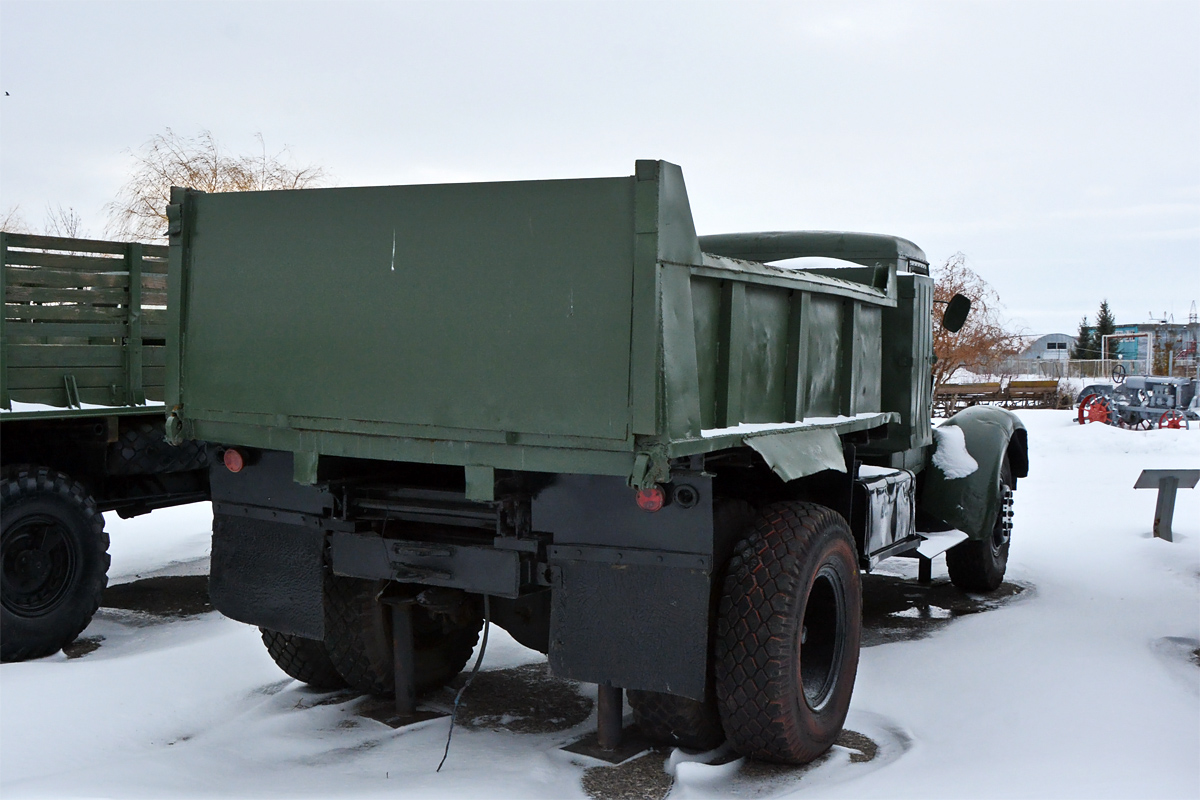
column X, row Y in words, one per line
column 140, row 211
column 985, row 340
column 13, row 221
column 64, row 222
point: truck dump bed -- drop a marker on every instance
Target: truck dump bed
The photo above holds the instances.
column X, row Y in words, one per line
column 558, row 326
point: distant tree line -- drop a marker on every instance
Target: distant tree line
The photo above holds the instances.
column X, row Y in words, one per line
column 1091, row 337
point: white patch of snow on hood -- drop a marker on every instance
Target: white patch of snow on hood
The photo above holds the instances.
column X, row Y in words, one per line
column 951, row 456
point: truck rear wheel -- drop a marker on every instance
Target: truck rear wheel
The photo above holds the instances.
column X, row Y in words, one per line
column 55, row 561
column 788, row 633
column 978, row 565
column 358, row 638
column 679, row 721
column 306, row 660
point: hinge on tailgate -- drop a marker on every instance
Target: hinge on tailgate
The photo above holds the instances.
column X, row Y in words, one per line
column 650, row 466
column 174, row 219
column 173, row 432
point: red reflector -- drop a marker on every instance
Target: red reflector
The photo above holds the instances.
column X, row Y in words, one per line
column 651, row 499
column 234, row 461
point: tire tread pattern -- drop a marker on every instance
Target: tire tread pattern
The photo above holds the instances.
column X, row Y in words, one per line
column 755, row 684
column 973, row 565
column 678, row 721
column 359, row 643
column 306, row 660
column 143, row 450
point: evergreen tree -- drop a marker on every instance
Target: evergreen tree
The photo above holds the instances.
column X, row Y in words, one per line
column 1085, row 347
column 1105, row 324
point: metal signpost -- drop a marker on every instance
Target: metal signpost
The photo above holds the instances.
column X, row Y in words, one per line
column 1167, row 481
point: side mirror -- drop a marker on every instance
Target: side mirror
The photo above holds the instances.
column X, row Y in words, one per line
column 956, row 313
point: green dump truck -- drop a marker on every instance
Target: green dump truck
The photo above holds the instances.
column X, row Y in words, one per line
column 82, row 347
column 652, row 455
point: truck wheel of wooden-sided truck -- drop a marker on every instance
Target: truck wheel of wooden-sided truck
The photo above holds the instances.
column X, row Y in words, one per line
column 978, row 565
column 55, row 561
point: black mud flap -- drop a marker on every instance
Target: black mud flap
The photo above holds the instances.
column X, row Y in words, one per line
column 268, row 574
column 633, row 625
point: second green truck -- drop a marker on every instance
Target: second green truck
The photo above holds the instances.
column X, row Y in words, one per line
column 652, row 455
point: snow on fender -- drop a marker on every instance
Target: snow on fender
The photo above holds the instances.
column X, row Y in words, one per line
column 962, row 479
column 951, row 455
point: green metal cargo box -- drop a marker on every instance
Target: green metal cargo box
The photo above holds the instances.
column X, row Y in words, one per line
column 559, row 326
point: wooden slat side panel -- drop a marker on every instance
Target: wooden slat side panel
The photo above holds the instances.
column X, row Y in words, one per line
column 65, row 313
column 61, row 243
column 67, row 294
column 67, row 319
column 34, row 258
column 4, row 397
column 45, row 276
column 65, row 356
column 52, row 377
column 38, row 354
column 86, row 377
column 154, row 283
column 33, row 242
column 25, row 330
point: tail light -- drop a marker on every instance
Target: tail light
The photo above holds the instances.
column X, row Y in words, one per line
column 234, row 460
column 651, row 499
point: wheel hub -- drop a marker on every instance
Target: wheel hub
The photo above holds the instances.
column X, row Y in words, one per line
column 1003, row 530
column 39, row 563
column 821, row 638
column 32, row 567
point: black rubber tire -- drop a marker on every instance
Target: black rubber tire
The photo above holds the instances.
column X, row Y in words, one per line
column 306, row 660
column 978, row 565
column 142, row 449
column 358, row 638
column 54, row 553
column 788, row 634
column 678, row 721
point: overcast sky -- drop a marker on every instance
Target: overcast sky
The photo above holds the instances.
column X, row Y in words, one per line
column 1057, row 145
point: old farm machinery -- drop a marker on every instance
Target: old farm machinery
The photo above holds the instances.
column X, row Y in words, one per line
column 1140, row 402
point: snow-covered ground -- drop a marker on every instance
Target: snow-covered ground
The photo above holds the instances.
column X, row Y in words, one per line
column 1081, row 687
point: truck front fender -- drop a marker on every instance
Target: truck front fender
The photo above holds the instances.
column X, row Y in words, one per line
column 970, row 503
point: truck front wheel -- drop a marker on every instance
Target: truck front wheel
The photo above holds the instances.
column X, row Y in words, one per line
column 978, row 565
column 358, row 637
column 788, row 633
column 55, row 561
